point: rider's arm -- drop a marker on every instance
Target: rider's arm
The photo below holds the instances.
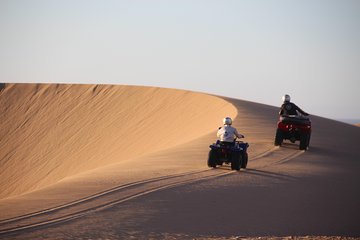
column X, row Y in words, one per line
column 238, row 134
column 301, row 111
column 281, row 112
column 218, row 132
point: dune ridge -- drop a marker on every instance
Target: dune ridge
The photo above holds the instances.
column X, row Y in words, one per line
column 52, row 131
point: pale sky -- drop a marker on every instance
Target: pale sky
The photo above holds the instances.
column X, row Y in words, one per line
column 255, row 50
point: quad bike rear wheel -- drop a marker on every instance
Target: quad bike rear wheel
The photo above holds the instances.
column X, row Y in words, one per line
column 278, row 138
column 244, row 160
column 212, row 159
column 304, row 141
column 236, row 160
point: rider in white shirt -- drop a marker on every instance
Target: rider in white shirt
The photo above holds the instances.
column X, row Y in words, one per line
column 227, row 133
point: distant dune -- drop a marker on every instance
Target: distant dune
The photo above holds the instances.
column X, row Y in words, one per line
column 49, row 132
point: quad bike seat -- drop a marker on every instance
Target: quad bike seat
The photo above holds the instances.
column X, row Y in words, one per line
column 295, row 119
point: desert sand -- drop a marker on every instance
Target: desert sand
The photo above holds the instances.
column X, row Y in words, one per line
column 129, row 162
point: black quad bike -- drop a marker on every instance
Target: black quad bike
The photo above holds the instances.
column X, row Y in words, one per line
column 293, row 128
column 229, row 153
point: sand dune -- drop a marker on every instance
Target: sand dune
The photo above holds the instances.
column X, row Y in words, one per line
column 165, row 190
column 49, row 132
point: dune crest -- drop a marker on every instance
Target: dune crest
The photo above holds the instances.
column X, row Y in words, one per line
column 52, row 131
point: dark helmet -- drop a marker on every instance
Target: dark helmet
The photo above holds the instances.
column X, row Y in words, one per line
column 286, row 98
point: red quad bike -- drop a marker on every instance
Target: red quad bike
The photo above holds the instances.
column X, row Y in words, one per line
column 294, row 128
column 233, row 153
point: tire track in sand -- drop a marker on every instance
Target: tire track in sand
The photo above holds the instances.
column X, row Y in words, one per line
column 122, row 193
column 277, row 155
column 101, row 201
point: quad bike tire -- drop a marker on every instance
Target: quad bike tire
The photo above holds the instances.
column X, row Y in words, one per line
column 304, row 141
column 278, row 138
column 236, row 160
column 244, row 160
column 212, row 159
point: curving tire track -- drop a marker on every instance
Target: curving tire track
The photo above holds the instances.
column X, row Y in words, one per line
column 129, row 191
column 94, row 196
column 101, row 201
column 275, row 156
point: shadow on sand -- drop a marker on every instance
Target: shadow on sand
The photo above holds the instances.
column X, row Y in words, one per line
column 261, row 173
column 268, row 174
column 290, row 145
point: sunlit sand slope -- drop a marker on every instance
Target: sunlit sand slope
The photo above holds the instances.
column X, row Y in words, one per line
column 49, row 132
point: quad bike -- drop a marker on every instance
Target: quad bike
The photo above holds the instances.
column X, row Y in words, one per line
column 293, row 128
column 229, row 153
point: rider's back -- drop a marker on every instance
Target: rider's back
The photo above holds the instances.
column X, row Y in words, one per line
column 288, row 108
column 227, row 133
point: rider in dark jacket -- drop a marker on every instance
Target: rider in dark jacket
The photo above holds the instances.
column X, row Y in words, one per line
column 289, row 108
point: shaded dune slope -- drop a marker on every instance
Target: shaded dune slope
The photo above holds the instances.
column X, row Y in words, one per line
column 49, row 132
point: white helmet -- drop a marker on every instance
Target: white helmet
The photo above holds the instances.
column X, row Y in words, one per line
column 227, row 121
column 286, row 98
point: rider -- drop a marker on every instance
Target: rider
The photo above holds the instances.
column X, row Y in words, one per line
column 227, row 133
column 289, row 108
